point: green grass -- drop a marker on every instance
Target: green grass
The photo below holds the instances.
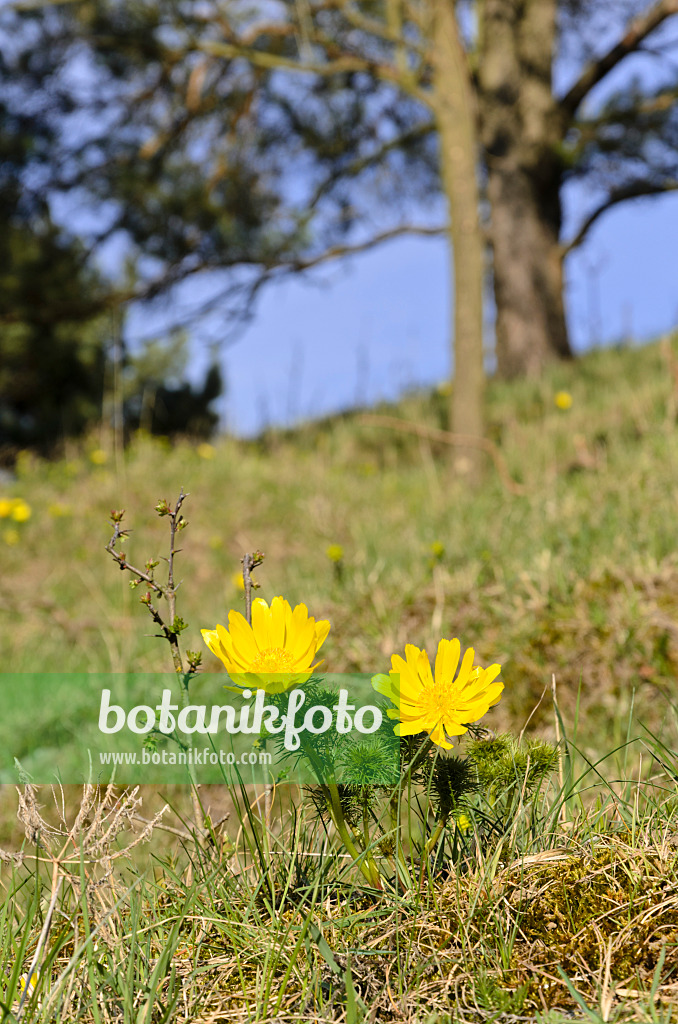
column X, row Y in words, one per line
column 560, row 909
column 573, row 906
column 577, row 577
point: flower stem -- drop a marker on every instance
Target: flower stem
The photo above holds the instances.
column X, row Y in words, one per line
column 365, row 861
column 435, row 836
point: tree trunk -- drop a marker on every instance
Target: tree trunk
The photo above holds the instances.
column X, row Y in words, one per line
column 454, row 110
column 527, row 274
column 521, row 133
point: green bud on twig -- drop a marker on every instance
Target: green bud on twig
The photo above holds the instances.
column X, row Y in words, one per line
column 194, row 660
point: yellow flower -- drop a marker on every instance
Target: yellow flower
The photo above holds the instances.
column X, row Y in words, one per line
column 98, row 457
column 438, row 704
column 21, row 510
column 205, row 450
column 24, row 983
column 11, row 537
column 437, row 549
column 463, row 821
column 237, row 580
column 6, row 506
column 563, row 400
column 335, row 553
column 275, row 652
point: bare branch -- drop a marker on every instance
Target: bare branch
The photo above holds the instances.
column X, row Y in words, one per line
column 636, row 32
column 339, row 65
column 376, row 28
column 338, row 251
column 249, row 564
column 642, row 106
column 634, row 191
column 274, row 61
column 362, row 163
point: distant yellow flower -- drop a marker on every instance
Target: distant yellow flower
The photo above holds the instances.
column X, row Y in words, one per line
column 439, row 704
column 21, row 510
column 563, row 400
column 6, row 506
column 463, row 821
column 275, row 652
column 237, row 580
column 11, row 537
column 206, row 451
column 98, row 457
column 24, row 983
column 437, row 549
column 335, row 552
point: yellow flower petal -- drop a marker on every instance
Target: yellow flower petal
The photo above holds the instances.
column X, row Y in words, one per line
column 211, row 638
column 322, row 628
column 385, row 685
column 277, row 625
column 410, row 728
column 447, row 659
column 242, row 636
column 466, row 668
column 261, row 623
column 438, row 737
column 276, row 652
column 438, row 703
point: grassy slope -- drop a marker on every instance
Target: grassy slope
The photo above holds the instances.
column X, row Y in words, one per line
column 578, row 576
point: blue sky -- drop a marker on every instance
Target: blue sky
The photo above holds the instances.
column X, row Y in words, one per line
column 379, row 323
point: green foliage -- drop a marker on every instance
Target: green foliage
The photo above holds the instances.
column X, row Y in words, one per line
column 158, row 399
column 369, row 762
column 52, row 353
column 453, row 781
column 507, row 769
column 201, row 163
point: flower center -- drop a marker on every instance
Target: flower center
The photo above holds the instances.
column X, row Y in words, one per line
column 437, row 700
column 273, row 659
column 442, row 699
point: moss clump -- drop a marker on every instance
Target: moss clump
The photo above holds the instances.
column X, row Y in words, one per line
column 618, row 902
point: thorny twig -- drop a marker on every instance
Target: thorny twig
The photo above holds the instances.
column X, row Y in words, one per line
column 249, row 564
column 173, row 627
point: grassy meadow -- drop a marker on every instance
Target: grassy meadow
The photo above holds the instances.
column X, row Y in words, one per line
column 562, row 566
